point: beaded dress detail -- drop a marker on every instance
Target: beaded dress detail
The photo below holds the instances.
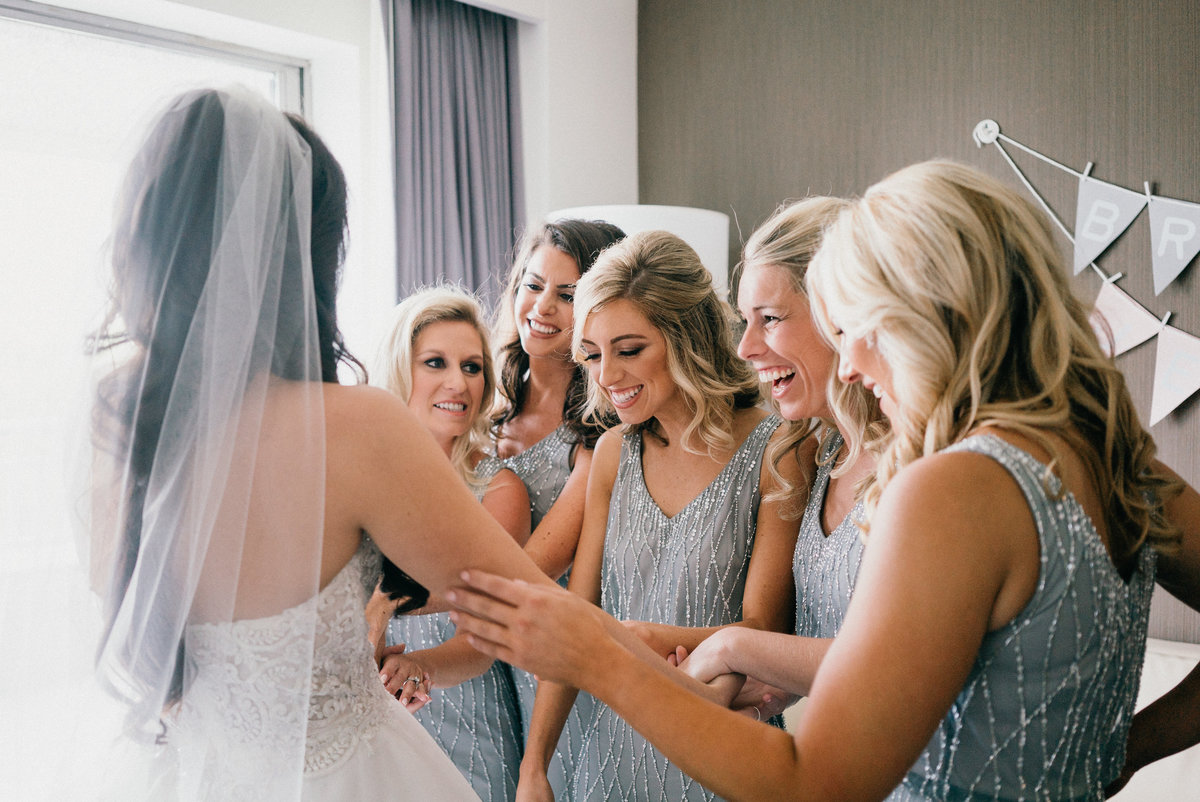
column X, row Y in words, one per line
column 544, row 468
column 248, row 675
column 477, row 722
column 825, row 567
column 687, row 570
column 1045, row 711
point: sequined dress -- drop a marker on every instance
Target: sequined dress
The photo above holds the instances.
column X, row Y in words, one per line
column 359, row 743
column 1045, row 711
column 687, row 570
column 477, row 722
column 825, row 567
column 544, row 468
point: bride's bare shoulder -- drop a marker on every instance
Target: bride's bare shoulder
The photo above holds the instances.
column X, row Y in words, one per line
column 358, row 412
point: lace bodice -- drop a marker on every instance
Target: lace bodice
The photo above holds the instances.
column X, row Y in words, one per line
column 258, row 688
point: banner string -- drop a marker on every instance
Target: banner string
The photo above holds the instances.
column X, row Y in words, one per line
column 987, row 132
column 998, row 141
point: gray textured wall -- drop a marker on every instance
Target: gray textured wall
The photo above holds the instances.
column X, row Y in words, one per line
column 744, row 104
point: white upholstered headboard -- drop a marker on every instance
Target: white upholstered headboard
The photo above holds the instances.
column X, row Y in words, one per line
column 1176, row 777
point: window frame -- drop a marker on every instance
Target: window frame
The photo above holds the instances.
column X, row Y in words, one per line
column 293, row 75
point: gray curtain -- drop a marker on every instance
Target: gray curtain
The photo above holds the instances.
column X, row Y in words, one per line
column 457, row 143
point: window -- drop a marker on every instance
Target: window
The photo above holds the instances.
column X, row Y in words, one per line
column 79, row 90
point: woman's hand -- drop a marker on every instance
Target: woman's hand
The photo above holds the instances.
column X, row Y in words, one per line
column 404, row 678
column 514, row 621
column 533, row 786
column 711, row 658
column 761, row 701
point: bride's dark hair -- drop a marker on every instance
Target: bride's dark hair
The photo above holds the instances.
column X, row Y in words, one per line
column 162, row 251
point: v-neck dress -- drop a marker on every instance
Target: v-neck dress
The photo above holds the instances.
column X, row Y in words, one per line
column 688, row 569
column 825, row 567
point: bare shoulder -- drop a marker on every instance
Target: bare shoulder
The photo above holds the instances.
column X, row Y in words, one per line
column 355, row 400
column 506, row 479
column 607, row 453
column 963, row 488
column 364, row 425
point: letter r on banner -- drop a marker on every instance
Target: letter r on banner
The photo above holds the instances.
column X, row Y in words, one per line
column 1178, row 232
column 1174, row 236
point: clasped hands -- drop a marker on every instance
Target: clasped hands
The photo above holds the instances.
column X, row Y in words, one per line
column 562, row 637
column 404, row 678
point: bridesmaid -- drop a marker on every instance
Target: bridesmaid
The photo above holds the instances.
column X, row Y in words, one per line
column 540, row 432
column 1018, row 523
column 675, row 533
column 436, row 359
column 782, row 343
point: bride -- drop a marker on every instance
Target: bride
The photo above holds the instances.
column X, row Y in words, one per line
column 242, row 497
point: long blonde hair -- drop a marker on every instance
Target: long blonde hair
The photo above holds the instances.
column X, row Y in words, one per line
column 958, row 281
column 663, row 277
column 789, row 239
column 393, row 364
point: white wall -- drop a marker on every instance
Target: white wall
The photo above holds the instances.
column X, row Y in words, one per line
column 578, row 63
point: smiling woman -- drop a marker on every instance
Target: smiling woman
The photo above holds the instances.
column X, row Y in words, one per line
column 436, row 358
column 677, row 542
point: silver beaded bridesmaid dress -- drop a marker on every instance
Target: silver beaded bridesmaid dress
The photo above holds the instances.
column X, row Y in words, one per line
column 545, row 467
column 825, row 567
column 477, row 722
column 1045, row 711
column 687, row 570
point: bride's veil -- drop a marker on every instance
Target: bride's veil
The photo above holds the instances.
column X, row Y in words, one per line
column 208, row 450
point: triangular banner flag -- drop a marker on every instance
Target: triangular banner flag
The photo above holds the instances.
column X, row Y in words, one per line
column 1175, row 237
column 1103, row 212
column 1176, row 371
column 1128, row 322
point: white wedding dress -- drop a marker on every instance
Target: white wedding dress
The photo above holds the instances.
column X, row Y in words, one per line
column 240, row 711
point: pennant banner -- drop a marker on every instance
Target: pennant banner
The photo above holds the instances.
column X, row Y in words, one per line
column 1103, row 212
column 1175, row 237
column 1176, row 371
column 1127, row 321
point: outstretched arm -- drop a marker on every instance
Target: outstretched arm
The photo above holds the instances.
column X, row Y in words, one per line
column 553, row 702
column 389, row 478
column 924, row 600
column 552, row 545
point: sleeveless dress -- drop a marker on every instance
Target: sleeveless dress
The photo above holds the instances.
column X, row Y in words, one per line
column 825, row 567
column 1045, row 711
column 544, row 468
column 687, row 570
column 358, row 741
column 476, row 722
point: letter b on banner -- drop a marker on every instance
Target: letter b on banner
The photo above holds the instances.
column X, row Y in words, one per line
column 1103, row 212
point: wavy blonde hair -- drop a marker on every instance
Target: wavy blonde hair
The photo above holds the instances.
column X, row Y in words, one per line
column 393, row 364
column 789, row 239
column 663, row 277
column 957, row 279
